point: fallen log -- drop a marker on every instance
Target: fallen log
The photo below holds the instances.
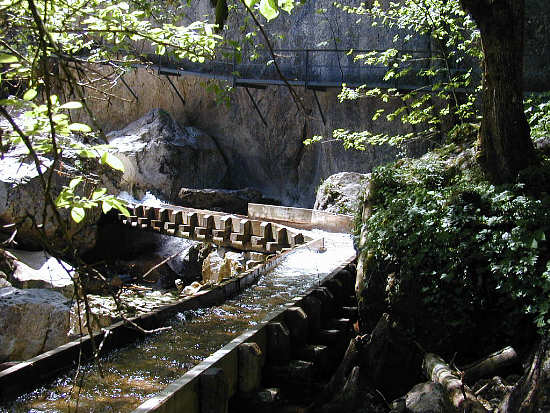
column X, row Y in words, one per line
column 460, row 395
column 490, row 365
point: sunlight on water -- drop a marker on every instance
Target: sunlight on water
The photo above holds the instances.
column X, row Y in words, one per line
column 137, row 372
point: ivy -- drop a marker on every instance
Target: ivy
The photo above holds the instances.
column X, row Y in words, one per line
column 464, row 242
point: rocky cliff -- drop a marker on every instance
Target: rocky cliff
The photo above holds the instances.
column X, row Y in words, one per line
column 270, row 156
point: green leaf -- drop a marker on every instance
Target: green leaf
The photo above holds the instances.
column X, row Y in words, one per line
column 250, row 3
column 79, row 127
column 30, row 94
column 106, row 206
column 123, row 210
column 286, row 5
column 7, row 58
column 112, row 161
column 78, row 214
column 98, row 193
column 74, row 182
column 87, row 153
column 269, row 9
column 71, row 105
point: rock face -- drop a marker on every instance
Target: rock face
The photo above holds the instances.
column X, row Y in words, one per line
column 227, row 200
column 21, row 197
column 31, row 321
column 38, row 269
column 339, row 193
column 160, row 156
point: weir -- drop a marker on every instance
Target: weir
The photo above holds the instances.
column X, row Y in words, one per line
column 130, row 378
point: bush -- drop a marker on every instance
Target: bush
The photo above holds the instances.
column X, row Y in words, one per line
column 464, row 252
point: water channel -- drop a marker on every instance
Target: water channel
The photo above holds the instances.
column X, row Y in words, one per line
column 136, row 372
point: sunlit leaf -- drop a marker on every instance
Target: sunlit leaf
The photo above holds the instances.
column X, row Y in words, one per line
column 30, row 94
column 98, row 193
column 71, row 105
column 79, row 127
column 269, row 9
column 87, row 153
column 78, row 214
column 7, row 58
column 74, row 182
column 106, row 206
column 112, row 161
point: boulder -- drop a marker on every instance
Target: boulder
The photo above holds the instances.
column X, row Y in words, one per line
column 162, row 157
column 233, row 201
column 21, row 197
column 340, row 193
column 38, row 269
column 220, row 264
column 428, row 397
column 31, row 321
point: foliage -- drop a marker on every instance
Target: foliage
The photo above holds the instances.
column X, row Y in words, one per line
column 42, row 44
column 465, row 246
column 537, row 109
column 444, row 81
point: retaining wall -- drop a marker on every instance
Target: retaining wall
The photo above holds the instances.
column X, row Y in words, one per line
column 302, row 217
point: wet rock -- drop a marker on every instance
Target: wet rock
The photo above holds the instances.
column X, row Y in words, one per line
column 233, row 201
column 162, row 157
column 340, row 193
column 38, row 269
column 31, row 321
column 428, row 397
column 220, row 264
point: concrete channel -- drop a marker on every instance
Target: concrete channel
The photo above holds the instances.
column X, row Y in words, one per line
column 286, row 351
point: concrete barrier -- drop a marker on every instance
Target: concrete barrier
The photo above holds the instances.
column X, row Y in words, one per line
column 302, row 217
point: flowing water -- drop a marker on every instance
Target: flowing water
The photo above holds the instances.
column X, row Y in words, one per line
column 136, row 372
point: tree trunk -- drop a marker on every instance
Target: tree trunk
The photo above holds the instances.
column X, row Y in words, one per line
column 532, row 392
column 505, row 146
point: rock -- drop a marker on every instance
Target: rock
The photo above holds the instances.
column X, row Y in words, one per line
column 340, row 193
column 192, row 289
column 160, row 156
column 21, row 197
column 233, row 201
column 31, row 321
column 428, row 397
column 4, row 280
column 38, row 269
column 220, row 264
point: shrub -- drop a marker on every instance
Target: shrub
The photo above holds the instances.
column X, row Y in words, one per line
column 464, row 251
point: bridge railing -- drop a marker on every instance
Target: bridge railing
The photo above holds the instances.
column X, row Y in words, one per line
column 311, row 67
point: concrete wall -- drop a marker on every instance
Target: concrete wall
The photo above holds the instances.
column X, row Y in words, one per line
column 305, row 218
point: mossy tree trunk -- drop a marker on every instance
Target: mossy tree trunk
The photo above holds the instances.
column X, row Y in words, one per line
column 505, row 146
